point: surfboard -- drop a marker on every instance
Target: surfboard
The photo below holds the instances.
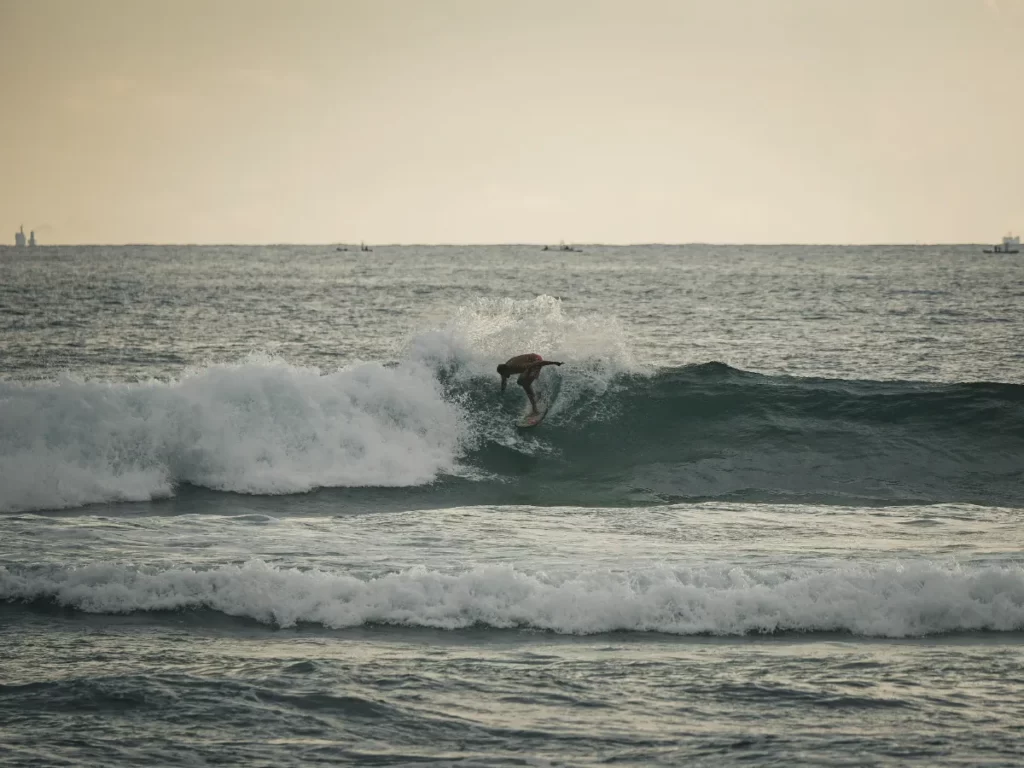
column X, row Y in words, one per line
column 545, row 399
column 532, row 420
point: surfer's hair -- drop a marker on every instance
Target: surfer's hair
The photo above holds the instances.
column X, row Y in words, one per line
column 503, row 370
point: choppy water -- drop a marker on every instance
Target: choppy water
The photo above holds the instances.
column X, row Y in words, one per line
column 267, row 506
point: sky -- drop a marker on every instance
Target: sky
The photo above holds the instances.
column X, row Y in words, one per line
column 534, row 121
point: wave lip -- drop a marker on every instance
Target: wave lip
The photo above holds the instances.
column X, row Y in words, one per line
column 878, row 601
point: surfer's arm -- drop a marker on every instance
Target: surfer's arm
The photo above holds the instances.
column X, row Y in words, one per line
column 536, row 368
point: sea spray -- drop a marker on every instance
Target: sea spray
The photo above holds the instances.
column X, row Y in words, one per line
column 465, row 348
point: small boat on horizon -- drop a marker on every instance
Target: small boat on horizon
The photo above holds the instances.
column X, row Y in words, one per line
column 1011, row 244
column 564, row 248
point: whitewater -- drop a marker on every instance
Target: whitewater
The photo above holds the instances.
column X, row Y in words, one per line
column 268, row 505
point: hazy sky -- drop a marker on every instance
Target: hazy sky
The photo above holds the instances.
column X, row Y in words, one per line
column 472, row 121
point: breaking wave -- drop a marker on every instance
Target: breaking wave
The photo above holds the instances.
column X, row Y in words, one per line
column 617, row 432
column 260, row 427
column 880, row 601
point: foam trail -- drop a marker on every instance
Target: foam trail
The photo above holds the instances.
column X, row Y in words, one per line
column 883, row 601
column 261, row 426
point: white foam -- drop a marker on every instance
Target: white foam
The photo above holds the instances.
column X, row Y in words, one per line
column 261, row 426
column 884, row 601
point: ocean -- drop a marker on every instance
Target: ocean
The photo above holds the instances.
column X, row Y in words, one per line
column 267, row 506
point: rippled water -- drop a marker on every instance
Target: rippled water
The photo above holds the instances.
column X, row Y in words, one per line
column 267, row 506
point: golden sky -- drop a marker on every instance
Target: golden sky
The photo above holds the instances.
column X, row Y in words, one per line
column 485, row 121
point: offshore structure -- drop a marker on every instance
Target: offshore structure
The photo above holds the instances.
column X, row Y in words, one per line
column 19, row 238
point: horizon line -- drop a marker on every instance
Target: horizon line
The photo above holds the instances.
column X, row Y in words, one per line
column 541, row 245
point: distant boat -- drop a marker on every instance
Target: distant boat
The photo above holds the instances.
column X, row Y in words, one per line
column 563, row 247
column 1011, row 244
column 365, row 248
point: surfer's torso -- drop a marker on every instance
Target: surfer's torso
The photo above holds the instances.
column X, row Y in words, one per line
column 522, row 363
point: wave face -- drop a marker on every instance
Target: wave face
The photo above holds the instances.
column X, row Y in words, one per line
column 435, row 424
column 710, row 431
column 880, row 601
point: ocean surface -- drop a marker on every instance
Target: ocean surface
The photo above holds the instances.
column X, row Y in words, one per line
column 267, row 506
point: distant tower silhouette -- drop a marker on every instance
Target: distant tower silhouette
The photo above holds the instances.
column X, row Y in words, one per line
column 19, row 237
column 32, row 239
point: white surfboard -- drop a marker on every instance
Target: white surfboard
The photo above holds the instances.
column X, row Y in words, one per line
column 533, row 419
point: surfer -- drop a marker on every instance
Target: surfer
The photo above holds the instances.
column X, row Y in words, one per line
column 528, row 367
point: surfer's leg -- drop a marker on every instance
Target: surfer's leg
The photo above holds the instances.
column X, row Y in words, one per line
column 529, row 393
